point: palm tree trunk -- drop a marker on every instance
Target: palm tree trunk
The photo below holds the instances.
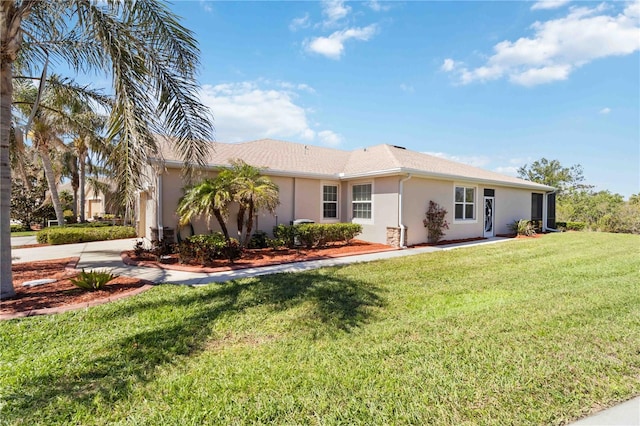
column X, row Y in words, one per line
column 249, row 224
column 75, row 184
column 6, row 91
column 82, row 161
column 240, row 221
column 43, row 150
column 218, row 215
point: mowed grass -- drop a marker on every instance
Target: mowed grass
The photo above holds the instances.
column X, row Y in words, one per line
column 536, row 331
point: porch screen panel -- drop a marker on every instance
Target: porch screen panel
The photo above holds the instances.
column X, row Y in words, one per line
column 551, row 210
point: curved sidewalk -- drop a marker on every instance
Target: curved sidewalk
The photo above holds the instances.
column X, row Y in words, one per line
column 106, row 255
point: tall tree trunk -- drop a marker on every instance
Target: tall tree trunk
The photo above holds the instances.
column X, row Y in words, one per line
column 223, row 225
column 6, row 92
column 82, row 160
column 11, row 16
column 247, row 236
column 75, row 184
column 240, row 220
column 43, row 150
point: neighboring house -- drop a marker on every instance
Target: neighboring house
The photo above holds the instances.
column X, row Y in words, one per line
column 94, row 201
column 385, row 188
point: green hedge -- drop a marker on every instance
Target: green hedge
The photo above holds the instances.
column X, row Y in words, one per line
column 18, row 228
column 571, row 226
column 316, row 235
column 68, row 234
column 204, row 249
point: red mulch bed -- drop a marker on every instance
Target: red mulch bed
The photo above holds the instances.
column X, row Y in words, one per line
column 61, row 293
column 258, row 257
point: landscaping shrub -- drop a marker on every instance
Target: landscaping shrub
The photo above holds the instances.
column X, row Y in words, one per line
column 285, row 234
column 94, row 224
column 18, row 228
column 163, row 247
column 571, row 226
column 435, row 222
column 259, row 240
column 69, row 217
column 205, row 248
column 522, row 227
column 75, row 234
column 316, row 235
column 92, row 280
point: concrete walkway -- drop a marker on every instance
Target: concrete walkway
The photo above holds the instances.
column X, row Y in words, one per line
column 625, row 414
column 106, row 255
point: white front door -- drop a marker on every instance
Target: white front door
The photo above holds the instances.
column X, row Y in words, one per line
column 489, row 215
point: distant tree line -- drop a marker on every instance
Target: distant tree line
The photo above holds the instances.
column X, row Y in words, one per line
column 578, row 202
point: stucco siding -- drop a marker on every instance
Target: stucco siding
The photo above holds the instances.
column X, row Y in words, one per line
column 511, row 204
column 384, row 207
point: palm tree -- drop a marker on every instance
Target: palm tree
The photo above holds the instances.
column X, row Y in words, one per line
column 52, row 114
column 253, row 192
column 152, row 60
column 211, row 197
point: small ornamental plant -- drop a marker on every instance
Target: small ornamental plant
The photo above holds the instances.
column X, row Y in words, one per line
column 92, row 280
column 435, row 222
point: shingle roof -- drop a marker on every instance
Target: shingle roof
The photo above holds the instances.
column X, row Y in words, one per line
column 281, row 157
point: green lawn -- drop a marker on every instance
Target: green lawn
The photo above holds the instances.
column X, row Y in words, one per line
column 537, row 331
column 23, row 233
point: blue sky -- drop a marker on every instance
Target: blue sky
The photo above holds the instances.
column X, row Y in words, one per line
column 493, row 84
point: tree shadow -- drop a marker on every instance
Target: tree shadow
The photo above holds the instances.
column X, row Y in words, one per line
column 335, row 304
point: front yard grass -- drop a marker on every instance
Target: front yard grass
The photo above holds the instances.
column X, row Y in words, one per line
column 538, row 331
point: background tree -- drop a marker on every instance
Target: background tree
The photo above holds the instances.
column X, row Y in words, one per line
column 552, row 173
column 152, row 60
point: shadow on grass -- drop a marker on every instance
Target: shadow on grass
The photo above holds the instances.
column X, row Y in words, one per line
column 334, row 303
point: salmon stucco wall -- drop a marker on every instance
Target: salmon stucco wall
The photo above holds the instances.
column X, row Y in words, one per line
column 384, row 208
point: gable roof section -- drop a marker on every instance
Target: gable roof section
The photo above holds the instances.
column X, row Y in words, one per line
column 294, row 159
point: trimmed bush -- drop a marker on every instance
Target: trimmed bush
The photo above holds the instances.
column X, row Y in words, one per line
column 571, row 226
column 204, row 249
column 522, row 227
column 72, row 234
column 286, row 235
column 313, row 235
column 259, row 240
column 18, row 228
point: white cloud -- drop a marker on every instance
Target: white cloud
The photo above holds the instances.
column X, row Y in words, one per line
column 299, row 23
column 333, row 46
column 407, row 88
column 329, row 138
column 376, row 6
column 549, row 4
column 605, row 111
column 206, row 5
column 472, row 160
column 448, row 65
column 262, row 109
column 334, row 11
column 507, row 170
column 558, row 47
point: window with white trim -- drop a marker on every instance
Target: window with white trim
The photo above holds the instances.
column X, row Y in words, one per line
column 465, row 203
column 330, row 202
column 361, row 201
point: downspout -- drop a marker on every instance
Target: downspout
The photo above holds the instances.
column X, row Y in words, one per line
column 403, row 229
column 546, row 210
column 159, row 208
column 293, row 206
